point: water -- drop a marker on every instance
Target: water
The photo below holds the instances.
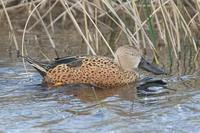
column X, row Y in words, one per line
column 27, row 106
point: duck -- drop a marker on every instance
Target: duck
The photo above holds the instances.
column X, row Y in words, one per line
column 98, row 71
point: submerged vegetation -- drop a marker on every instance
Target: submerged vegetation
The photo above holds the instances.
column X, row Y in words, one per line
column 147, row 24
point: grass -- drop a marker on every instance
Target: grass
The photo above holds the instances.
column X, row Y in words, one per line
column 143, row 23
column 10, row 26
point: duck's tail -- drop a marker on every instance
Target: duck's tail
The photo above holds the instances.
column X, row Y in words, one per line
column 42, row 68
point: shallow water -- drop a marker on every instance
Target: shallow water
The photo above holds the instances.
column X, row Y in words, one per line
column 27, row 106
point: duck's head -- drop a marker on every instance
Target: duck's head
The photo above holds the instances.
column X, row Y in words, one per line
column 130, row 58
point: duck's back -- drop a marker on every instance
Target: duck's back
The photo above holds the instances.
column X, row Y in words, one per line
column 97, row 71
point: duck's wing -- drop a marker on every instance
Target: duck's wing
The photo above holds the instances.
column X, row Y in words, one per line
column 43, row 67
column 72, row 61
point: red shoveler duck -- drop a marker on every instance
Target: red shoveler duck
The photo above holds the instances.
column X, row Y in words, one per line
column 103, row 72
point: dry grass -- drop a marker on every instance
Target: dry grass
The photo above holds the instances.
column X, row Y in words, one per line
column 146, row 24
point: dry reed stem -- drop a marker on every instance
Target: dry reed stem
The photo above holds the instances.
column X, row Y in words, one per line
column 157, row 23
column 20, row 5
column 44, row 15
column 163, row 11
column 46, row 30
column 138, row 23
column 66, row 6
column 98, row 30
column 185, row 26
column 132, row 40
column 11, row 27
column 174, row 21
column 24, row 31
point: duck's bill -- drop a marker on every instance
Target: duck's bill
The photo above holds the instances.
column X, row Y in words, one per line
column 150, row 68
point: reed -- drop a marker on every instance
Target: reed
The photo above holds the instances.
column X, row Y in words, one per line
column 144, row 23
column 11, row 27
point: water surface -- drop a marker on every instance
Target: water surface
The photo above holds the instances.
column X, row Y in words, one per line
column 27, row 106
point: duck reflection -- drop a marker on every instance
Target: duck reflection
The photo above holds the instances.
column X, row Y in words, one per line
column 90, row 94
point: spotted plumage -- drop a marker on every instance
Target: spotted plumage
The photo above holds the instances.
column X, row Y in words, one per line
column 99, row 71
